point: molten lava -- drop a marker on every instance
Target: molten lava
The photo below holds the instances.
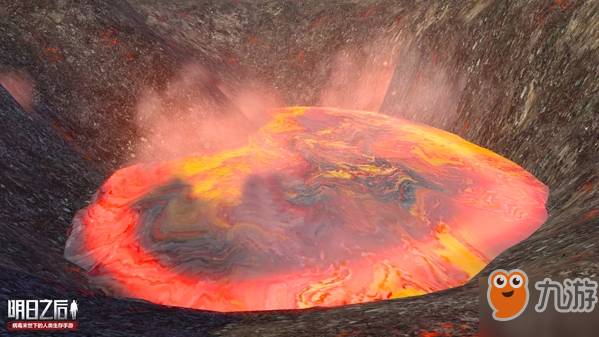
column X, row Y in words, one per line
column 323, row 207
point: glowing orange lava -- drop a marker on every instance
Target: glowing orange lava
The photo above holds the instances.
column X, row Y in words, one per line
column 323, row 207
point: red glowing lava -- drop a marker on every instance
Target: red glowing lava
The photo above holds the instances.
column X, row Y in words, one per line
column 324, row 207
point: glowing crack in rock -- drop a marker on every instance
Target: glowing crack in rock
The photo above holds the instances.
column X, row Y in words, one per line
column 323, row 207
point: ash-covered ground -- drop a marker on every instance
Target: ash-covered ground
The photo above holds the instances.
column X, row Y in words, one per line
column 92, row 86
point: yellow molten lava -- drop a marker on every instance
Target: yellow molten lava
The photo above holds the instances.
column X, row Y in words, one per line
column 322, row 207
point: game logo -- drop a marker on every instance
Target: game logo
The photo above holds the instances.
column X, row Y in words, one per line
column 42, row 314
column 511, row 304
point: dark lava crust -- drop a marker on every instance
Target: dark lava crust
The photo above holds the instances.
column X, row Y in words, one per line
column 520, row 78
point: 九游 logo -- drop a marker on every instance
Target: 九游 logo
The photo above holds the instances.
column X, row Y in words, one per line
column 579, row 295
column 508, row 293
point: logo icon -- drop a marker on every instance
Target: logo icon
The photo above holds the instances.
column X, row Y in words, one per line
column 42, row 315
column 74, row 309
column 508, row 293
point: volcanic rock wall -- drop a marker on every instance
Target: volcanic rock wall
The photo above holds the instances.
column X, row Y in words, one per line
column 519, row 78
